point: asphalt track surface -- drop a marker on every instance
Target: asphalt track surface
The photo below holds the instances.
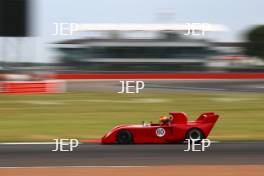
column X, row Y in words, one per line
column 235, row 153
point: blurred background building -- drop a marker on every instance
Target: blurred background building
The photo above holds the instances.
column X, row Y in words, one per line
column 150, row 51
column 145, row 48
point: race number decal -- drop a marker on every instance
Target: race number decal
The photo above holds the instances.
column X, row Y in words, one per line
column 160, row 132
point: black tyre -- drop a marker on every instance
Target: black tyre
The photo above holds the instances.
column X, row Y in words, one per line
column 124, row 137
column 195, row 134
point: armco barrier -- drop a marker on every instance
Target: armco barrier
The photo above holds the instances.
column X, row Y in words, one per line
column 32, row 87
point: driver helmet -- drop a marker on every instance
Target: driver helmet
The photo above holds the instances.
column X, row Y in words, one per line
column 164, row 120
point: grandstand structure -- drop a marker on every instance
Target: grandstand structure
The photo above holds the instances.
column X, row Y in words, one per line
column 138, row 47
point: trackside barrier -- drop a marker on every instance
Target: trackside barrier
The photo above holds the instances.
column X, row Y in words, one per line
column 32, row 87
column 159, row 76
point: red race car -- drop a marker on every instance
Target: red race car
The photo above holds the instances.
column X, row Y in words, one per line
column 171, row 129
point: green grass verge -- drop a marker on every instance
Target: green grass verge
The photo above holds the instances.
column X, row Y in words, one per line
column 90, row 115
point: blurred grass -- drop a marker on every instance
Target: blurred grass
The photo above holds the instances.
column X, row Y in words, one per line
column 90, row 115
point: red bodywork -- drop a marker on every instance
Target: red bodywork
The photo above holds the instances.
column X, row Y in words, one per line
column 174, row 132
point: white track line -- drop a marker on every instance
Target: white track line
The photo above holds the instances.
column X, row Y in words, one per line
column 212, row 142
column 50, row 143
column 32, row 143
column 27, row 143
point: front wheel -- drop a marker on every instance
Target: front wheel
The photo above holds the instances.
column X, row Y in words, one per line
column 195, row 134
column 124, row 137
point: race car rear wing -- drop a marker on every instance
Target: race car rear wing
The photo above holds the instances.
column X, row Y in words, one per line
column 208, row 117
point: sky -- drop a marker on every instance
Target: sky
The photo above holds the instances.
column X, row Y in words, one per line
column 237, row 15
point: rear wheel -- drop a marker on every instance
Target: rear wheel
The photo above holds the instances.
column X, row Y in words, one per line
column 195, row 134
column 124, row 137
